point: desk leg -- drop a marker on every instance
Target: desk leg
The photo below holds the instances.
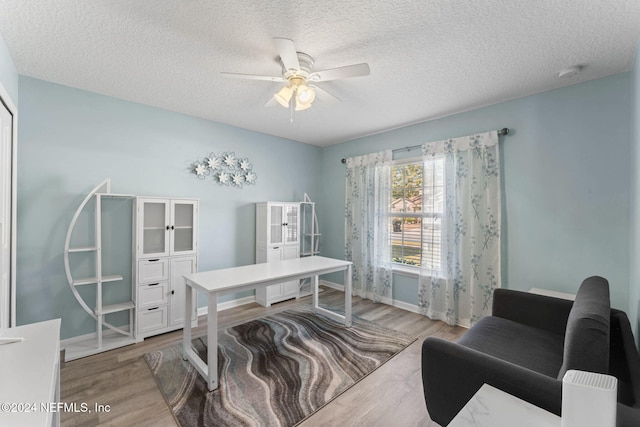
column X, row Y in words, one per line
column 212, row 341
column 347, row 296
column 315, row 290
column 186, row 329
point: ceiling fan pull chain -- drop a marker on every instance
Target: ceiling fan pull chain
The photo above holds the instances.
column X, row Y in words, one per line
column 291, row 112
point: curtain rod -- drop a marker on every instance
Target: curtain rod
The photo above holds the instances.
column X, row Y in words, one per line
column 501, row 132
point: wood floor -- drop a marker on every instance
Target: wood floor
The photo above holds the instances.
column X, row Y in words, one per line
column 121, row 381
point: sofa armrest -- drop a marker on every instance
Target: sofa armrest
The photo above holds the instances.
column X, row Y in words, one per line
column 534, row 310
column 627, row 416
column 452, row 374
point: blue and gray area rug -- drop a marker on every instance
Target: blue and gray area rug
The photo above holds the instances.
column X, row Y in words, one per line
column 274, row 371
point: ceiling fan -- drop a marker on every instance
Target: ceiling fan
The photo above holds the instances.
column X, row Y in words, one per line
column 299, row 78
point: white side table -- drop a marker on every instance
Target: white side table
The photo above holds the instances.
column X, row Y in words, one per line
column 550, row 293
column 491, row 407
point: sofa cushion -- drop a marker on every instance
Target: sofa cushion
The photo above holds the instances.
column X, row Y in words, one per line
column 586, row 343
column 523, row 345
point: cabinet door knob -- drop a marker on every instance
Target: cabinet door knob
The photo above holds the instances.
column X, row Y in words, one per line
column 173, row 292
column 172, row 227
column 167, row 227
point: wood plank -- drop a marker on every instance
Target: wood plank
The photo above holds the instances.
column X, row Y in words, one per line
column 120, row 378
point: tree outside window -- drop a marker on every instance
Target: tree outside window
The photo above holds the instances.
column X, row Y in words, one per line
column 416, row 213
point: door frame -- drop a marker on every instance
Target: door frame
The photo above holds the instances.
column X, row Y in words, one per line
column 8, row 103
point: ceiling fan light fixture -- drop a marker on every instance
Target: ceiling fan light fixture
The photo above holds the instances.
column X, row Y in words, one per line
column 283, row 96
column 304, row 97
column 300, row 106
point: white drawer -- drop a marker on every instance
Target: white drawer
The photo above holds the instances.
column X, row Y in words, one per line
column 153, row 270
column 153, row 294
column 152, row 319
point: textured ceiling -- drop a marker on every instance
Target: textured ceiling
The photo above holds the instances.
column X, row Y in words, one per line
column 428, row 58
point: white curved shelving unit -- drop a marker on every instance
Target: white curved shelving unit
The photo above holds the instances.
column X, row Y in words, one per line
column 117, row 336
column 310, row 233
column 309, row 237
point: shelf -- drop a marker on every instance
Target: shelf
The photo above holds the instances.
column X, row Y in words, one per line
column 115, row 195
column 155, row 228
column 89, row 346
column 91, row 280
column 84, row 249
column 114, row 308
column 303, row 254
column 312, row 234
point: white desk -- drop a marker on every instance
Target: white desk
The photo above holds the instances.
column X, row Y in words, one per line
column 30, row 375
column 491, row 407
column 253, row 276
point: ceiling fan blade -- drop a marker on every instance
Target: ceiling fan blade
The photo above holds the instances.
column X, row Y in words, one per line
column 356, row 70
column 287, row 51
column 325, row 96
column 253, row 77
column 271, row 102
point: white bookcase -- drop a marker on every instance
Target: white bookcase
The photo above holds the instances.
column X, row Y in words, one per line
column 165, row 248
column 277, row 238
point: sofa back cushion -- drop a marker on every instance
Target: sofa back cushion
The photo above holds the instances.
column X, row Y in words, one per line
column 586, row 340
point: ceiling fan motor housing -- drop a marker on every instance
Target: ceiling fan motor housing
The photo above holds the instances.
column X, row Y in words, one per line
column 306, row 63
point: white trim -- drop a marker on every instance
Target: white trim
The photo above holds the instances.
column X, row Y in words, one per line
column 389, row 301
column 332, row 285
column 408, row 160
column 202, row 311
column 91, row 336
column 406, row 306
column 405, row 270
column 6, row 98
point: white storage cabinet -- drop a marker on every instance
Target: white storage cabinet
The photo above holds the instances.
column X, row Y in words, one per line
column 277, row 238
column 165, row 248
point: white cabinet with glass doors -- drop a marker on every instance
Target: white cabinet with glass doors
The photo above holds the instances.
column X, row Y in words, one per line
column 166, row 248
column 277, row 238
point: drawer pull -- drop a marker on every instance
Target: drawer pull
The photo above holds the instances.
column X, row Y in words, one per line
column 154, row 308
column 153, row 284
column 154, row 260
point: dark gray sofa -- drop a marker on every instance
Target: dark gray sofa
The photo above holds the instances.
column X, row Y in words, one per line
column 526, row 347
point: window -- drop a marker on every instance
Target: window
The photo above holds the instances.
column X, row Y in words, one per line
column 417, row 204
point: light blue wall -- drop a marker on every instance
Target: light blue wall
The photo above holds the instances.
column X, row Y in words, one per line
column 566, row 185
column 70, row 140
column 8, row 73
column 634, row 286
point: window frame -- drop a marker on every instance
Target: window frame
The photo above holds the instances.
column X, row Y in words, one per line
column 408, row 269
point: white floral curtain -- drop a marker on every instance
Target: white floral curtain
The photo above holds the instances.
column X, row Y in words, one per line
column 460, row 290
column 368, row 197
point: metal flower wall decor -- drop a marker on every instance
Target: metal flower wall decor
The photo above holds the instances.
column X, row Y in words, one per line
column 226, row 169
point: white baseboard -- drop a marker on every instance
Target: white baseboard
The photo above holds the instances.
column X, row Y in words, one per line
column 228, row 304
column 332, row 285
column 243, row 301
column 389, row 301
column 88, row 337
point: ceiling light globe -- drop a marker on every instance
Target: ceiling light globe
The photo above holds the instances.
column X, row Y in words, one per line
column 305, row 95
column 283, row 96
column 300, row 106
